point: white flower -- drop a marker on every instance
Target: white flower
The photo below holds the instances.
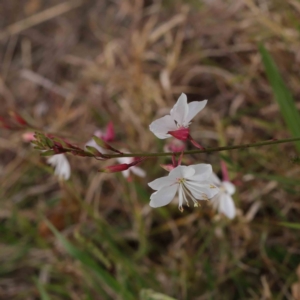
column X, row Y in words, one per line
column 134, row 169
column 176, row 124
column 190, row 181
column 223, row 201
column 61, row 165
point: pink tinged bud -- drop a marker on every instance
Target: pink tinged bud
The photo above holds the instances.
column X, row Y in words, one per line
column 180, row 134
column 116, row 168
column 109, row 134
column 28, row 137
column 224, row 171
column 167, row 167
column 121, row 167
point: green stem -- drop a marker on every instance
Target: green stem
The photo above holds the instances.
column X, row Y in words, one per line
column 208, row 150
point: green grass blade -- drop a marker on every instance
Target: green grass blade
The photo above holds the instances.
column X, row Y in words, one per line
column 42, row 291
column 282, row 94
column 87, row 261
column 290, row 225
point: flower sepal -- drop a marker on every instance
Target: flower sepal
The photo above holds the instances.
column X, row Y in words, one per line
column 181, row 134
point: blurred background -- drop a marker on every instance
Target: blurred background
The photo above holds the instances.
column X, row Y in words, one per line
column 70, row 67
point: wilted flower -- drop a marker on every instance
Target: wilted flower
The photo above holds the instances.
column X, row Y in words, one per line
column 177, row 123
column 189, row 181
column 223, row 201
column 61, row 165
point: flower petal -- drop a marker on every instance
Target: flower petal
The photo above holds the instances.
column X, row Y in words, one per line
column 164, row 196
column 182, row 172
column 229, row 187
column 202, row 172
column 214, row 179
column 126, row 173
column 161, row 182
column 180, row 110
column 61, row 165
column 194, row 108
column 162, row 126
column 201, row 190
column 138, row 171
column 226, row 206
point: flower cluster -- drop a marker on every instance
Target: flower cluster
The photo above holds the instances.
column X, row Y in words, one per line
column 192, row 183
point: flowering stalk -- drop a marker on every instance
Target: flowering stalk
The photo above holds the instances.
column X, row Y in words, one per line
column 210, row 150
column 80, row 152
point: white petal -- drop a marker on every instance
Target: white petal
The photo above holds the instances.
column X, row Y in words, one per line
column 138, row 171
column 180, row 110
column 201, row 190
column 182, row 172
column 202, row 172
column 164, row 196
column 229, row 187
column 126, row 173
column 226, row 206
column 214, row 179
column 194, row 108
column 162, row 126
column 125, row 160
column 61, row 165
column 162, row 182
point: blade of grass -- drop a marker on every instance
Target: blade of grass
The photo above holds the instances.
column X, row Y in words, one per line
column 290, row 225
column 87, row 261
column 282, row 94
column 44, row 295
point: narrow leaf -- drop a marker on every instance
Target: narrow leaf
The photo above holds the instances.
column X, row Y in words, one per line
column 48, row 153
column 87, row 261
column 44, row 295
column 105, row 145
column 282, row 95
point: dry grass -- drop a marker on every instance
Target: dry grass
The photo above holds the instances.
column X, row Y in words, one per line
column 87, row 62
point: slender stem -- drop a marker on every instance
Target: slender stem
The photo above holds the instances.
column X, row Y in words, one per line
column 209, row 150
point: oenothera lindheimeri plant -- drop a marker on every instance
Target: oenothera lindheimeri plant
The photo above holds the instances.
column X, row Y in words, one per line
column 192, row 183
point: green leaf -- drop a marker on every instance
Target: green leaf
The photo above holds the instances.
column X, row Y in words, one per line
column 48, row 153
column 282, row 94
column 290, row 225
column 148, row 294
column 42, row 291
column 87, row 261
column 93, row 150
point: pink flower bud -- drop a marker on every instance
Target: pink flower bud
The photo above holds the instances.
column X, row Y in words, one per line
column 180, row 134
column 109, row 134
column 116, row 168
column 28, row 137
